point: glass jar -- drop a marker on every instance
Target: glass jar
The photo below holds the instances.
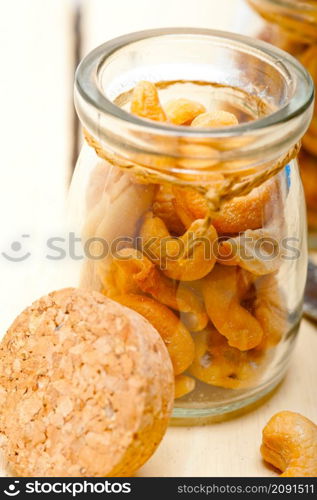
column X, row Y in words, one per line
column 292, row 26
column 200, row 230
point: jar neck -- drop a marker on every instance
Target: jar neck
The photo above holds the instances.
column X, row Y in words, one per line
column 212, row 183
column 253, row 67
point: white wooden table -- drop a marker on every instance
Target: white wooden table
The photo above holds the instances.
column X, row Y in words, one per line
column 231, row 448
column 36, row 49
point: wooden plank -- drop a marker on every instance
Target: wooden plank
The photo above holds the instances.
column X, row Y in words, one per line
column 36, row 47
column 104, row 21
column 231, row 448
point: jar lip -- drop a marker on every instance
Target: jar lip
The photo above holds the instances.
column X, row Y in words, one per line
column 87, row 85
column 295, row 4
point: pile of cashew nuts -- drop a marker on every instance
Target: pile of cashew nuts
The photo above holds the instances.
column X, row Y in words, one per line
column 218, row 313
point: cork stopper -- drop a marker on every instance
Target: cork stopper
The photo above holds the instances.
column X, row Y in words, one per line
column 86, row 388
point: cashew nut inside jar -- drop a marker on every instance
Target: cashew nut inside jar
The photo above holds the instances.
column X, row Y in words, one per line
column 292, row 26
column 189, row 204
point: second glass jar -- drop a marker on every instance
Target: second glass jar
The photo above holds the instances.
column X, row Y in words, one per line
column 292, row 26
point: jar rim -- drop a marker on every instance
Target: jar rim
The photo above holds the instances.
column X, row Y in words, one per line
column 88, row 88
column 294, row 4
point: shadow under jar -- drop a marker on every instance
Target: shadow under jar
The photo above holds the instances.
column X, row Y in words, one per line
column 201, row 230
column 292, row 26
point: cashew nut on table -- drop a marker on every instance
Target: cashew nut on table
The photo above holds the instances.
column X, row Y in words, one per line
column 290, row 444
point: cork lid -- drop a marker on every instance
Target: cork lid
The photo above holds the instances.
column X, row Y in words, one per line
column 86, row 387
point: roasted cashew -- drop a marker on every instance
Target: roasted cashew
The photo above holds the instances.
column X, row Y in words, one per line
column 255, row 251
column 183, row 385
column 236, row 216
column 133, row 272
column 215, row 119
column 246, row 212
column 183, row 111
column 270, row 310
column 145, row 102
column 245, row 281
column 177, row 338
column 189, row 205
column 265, row 299
column 290, row 444
column 189, row 257
column 163, row 207
column 223, row 305
column 216, row 363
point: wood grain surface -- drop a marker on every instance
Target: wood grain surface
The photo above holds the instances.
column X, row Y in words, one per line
column 37, row 58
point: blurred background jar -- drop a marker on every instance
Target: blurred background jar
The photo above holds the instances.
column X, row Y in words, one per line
column 139, row 182
column 292, row 26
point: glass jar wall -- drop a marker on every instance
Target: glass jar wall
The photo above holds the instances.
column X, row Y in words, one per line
column 292, row 26
column 197, row 225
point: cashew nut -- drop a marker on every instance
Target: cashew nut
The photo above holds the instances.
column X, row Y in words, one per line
column 163, row 207
column 247, row 212
column 290, row 444
column 183, row 111
column 189, row 205
column 270, row 310
column 223, row 305
column 215, row 119
column 145, row 102
column 236, row 216
column 216, row 363
column 133, row 272
column 256, row 251
column 189, row 257
column 177, row 338
column 183, row 385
